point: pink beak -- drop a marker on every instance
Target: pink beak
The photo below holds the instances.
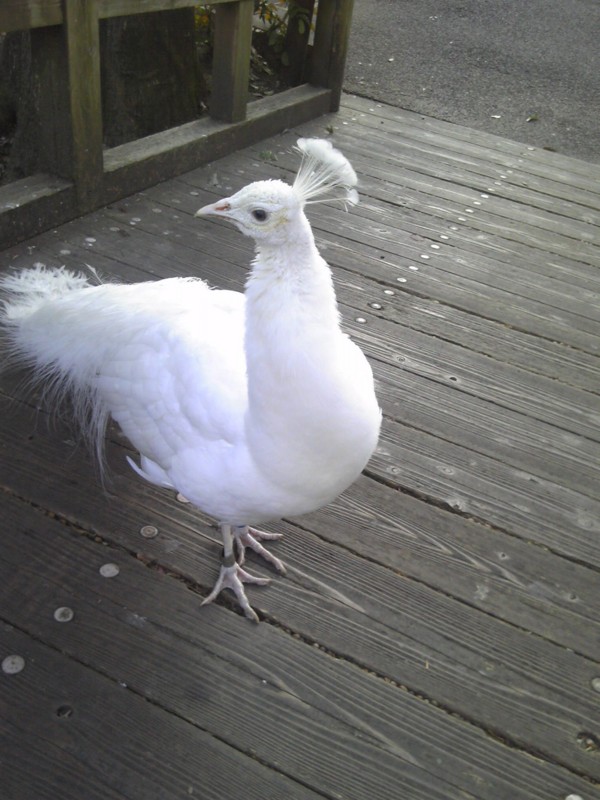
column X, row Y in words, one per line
column 220, row 208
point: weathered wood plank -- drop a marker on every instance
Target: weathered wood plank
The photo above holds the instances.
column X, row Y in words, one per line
column 72, row 733
column 34, row 768
column 544, row 229
column 437, row 532
column 489, row 147
column 503, row 251
column 523, row 442
column 49, row 134
column 381, row 733
column 504, row 343
column 468, row 293
column 28, row 205
column 490, row 379
column 401, row 187
column 132, row 166
column 487, row 569
column 16, row 15
column 26, row 14
column 521, row 178
column 447, row 274
column 461, row 569
column 121, row 8
column 519, row 348
column 501, row 384
column 486, row 489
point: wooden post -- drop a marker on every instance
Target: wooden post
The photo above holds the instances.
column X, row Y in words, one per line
column 231, row 61
column 83, row 54
column 332, row 32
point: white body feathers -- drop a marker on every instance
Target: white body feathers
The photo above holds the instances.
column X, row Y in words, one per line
column 254, row 406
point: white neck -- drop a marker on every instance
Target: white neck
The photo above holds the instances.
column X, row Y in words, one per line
column 289, row 293
column 312, row 417
column 292, row 342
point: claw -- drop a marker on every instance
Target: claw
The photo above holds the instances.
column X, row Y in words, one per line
column 234, row 577
column 250, row 537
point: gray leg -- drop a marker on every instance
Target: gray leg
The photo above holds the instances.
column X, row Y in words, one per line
column 233, row 577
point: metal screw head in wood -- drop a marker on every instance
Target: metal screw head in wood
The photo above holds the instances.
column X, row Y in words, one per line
column 13, row 664
column 64, row 614
column 109, row 570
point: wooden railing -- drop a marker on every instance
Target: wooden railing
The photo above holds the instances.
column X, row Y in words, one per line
column 78, row 173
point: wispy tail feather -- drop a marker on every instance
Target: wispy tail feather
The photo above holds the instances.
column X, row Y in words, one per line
column 26, row 344
column 25, row 291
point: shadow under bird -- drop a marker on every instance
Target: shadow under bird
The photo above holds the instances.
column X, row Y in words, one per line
column 254, row 405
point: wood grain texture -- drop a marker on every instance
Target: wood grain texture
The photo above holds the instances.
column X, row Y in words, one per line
column 402, row 535
column 493, row 149
column 17, row 15
column 103, row 736
column 119, row 8
column 24, row 14
column 45, row 198
column 278, row 676
column 493, row 571
column 437, row 633
column 405, row 261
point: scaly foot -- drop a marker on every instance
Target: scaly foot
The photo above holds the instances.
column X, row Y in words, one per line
column 251, row 537
column 233, row 577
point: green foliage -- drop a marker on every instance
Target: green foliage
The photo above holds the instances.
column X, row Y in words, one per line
column 272, row 19
column 277, row 16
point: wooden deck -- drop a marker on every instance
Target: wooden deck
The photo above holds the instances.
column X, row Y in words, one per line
column 437, row 636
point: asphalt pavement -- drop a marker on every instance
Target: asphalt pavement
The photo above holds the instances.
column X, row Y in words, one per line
column 528, row 70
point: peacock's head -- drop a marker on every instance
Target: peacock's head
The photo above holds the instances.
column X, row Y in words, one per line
column 267, row 209
column 261, row 210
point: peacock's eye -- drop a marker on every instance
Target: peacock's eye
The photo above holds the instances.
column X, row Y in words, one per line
column 259, row 214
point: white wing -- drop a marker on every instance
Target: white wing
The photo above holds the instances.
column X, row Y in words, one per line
column 177, row 375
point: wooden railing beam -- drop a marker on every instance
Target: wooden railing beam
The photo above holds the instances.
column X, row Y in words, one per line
column 70, row 173
column 21, row 15
column 122, row 8
column 16, row 15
